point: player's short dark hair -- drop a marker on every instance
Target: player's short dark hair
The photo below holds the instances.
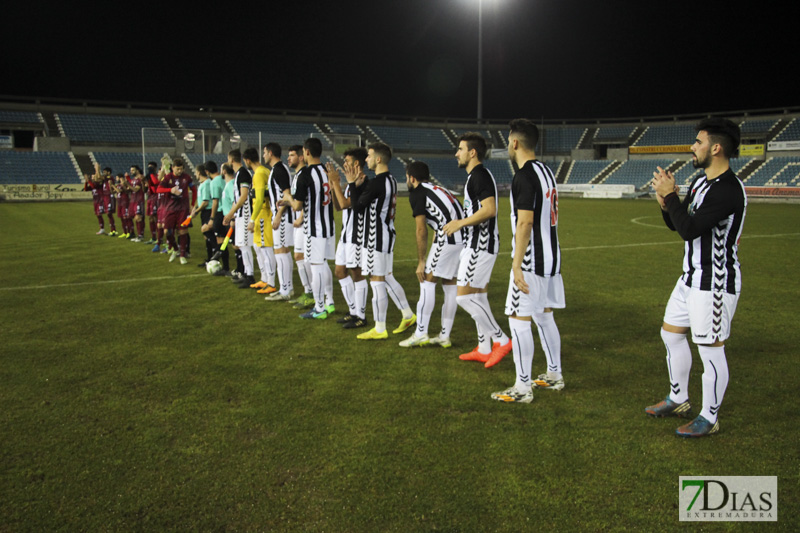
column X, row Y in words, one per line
column 723, row 132
column 201, row 169
column 211, row 166
column 526, row 131
column 227, row 169
column 275, row 148
column 251, row 155
column 108, row 169
column 152, row 164
column 178, row 162
column 236, row 155
column 358, row 153
column 419, row 171
column 382, row 150
column 137, row 168
column 314, row 146
column 296, row 148
column 475, row 141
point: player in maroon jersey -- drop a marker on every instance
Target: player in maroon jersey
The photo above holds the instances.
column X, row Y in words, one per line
column 151, row 181
column 94, row 183
column 136, row 206
column 108, row 200
column 176, row 186
column 119, row 187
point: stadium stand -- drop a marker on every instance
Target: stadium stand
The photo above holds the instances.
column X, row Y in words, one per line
column 403, row 139
column 198, row 123
column 757, row 127
column 20, row 117
column 122, row 161
column 614, row 133
column 790, row 133
column 775, row 172
column 559, row 140
column 349, row 129
column 196, row 159
column 586, row 171
column 667, row 135
column 119, row 129
column 22, row 168
column 636, row 172
column 283, row 133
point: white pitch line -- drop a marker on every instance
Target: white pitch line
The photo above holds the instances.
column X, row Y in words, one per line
column 104, row 282
column 576, row 248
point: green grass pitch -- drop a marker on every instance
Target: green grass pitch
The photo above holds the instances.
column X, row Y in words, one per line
column 142, row 395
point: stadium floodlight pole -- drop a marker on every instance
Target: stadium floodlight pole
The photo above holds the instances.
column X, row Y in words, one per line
column 480, row 60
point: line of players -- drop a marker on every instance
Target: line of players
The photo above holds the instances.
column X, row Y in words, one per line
column 277, row 207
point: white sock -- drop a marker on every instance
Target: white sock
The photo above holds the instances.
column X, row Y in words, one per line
column 247, row 260
column 301, row 270
column 348, row 292
column 482, row 299
column 260, row 260
column 425, row 305
column 307, row 266
column 284, row 263
column 327, row 278
column 715, row 379
column 523, row 345
column 269, row 264
column 679, row 363
column 361, row 298
column 550, row 339
column 318, row 285
column 398, row 296
column 467, row 303
column 379, row 304
column 449, row 308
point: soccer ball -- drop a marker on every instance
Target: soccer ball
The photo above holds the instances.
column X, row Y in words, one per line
column 212, row 267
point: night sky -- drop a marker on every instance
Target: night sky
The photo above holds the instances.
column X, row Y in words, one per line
column 546, row 59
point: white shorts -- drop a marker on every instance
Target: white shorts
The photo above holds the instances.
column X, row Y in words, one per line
column 376, row 263
column 241, row 237
column 443, row 259
column 543, row 293
column 320, row 249
column 348, row 254
column 707, row 313
column 475, row 268
column 299, row 240
column 283, row 237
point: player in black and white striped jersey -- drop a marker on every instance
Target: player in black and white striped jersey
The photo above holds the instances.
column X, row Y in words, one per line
column 434, row 206
column 348, row 250
column 377, row 199
column 278, row 185
column 312, row 195
column 535, row 286
column 480, row 253
column 710, row 219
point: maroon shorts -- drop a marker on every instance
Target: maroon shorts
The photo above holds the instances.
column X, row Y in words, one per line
column 173, row 219
column 99, row 207
column 152, row 206
column 135, row 209
column 122, row 209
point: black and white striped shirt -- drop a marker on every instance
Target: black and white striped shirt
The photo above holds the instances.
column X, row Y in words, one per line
column 279, row 181
column 439, row 208
column 480, row 186
column 710, row 219
column 243, row 178
column 534, row 189
column 376, row 198
column 312, row 188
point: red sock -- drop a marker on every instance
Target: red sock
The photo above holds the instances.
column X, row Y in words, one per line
column 183, row 239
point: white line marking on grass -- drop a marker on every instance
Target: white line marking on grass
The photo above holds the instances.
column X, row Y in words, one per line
column 105, row 282
column 659, row 226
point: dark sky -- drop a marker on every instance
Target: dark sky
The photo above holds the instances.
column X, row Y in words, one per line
column 542, row 58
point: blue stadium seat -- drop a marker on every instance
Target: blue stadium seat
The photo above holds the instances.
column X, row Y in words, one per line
column 37, row 168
